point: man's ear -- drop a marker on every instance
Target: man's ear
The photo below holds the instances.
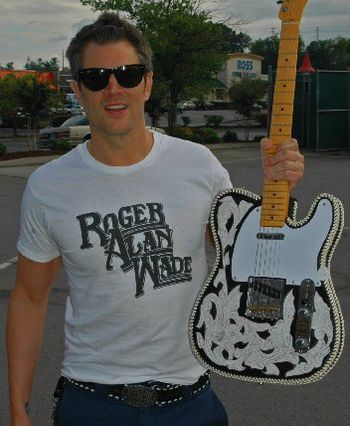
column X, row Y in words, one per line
column 75, row 88
column 148, row 85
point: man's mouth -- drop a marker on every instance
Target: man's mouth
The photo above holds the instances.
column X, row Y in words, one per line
column 118, row 107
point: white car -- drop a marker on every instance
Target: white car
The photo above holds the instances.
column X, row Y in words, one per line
column 186, row 106
column 75, row 130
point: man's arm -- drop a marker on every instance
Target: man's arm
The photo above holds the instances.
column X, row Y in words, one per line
column 25, row 323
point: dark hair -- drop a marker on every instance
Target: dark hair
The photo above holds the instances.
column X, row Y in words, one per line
column 109, row 27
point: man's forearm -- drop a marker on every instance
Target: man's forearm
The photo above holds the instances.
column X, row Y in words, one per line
column 25, row 324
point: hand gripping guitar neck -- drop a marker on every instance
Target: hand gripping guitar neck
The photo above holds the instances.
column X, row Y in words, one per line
column 268, row 311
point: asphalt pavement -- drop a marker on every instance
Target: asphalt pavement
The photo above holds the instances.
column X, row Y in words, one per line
column 325, row 403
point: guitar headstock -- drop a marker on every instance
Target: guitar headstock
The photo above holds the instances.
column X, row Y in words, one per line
column 291, row 10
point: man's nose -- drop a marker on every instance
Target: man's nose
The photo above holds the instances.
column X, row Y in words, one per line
column 113, row 85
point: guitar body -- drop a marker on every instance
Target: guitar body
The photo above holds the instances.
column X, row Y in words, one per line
column 268, row 311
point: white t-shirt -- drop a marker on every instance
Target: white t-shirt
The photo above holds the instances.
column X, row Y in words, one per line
column 132, row 240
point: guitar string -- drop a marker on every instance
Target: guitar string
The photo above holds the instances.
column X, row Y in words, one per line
column 269, row 254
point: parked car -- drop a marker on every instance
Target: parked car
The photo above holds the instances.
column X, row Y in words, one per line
column 186, row 106
column 204, row 106
column 75, row 130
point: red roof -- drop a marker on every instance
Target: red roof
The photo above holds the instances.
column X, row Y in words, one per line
column 47, row 76
column 306, row 65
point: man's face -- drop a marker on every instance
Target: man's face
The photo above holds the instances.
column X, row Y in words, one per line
column 101, row 106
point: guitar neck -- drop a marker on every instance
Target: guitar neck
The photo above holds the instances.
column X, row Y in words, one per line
column 276, row 193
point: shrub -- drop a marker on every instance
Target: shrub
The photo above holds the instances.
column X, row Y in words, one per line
column 213, row 120
column 183, row 133
column 230, row 136
column 258, row 138
column 206, row 135
column 186, row 120
column 261, row 118
column 61, row 145
column 3, row 149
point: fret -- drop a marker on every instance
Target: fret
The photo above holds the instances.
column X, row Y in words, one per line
column 268, row 221
column 290, row 31
column 282, row 130
column 273, row 204
column 287, row 60
column 278, row 120
column 288, row 46
column 284, row 98
column 285, row 86
column 285, row 73
column 274, row 187
column 282, row 108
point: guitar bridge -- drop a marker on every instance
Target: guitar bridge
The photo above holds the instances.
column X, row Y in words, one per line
column 302, row 337
column 265, row 298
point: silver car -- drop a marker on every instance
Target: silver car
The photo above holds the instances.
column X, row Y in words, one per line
column 74, row 130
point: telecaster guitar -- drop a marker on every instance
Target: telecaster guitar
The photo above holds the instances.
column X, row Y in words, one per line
column 268, row 311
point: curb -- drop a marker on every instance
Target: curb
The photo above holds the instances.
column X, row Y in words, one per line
column 37, row 161
column 27, row 161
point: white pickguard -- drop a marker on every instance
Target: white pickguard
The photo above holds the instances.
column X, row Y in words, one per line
column 294, row 258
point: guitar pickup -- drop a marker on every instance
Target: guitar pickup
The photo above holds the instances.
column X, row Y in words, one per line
column 270, row 236
column 265, row 298
column 302, row 336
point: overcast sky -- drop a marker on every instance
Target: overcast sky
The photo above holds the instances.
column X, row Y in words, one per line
column 43, row 28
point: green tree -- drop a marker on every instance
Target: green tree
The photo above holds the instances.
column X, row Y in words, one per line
column 9, row 104
column 29, row 96
column 41, row 65
column 9, row 66
column 244, row 94
column 234, row 42
column 268, row 49
column 187, row 45
column 331, row 54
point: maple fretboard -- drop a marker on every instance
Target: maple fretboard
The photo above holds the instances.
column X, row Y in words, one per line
column 276, row 194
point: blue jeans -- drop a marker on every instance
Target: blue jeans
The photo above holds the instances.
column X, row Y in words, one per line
column 80, row 407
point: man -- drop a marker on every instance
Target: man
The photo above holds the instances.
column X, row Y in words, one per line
column 126, row 213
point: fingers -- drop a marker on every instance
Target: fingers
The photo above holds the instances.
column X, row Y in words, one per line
column 287, row 163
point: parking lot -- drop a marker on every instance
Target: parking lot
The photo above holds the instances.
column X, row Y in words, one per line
column 324, row 403
column 197, row 118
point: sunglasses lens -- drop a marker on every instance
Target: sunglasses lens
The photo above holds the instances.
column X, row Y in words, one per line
column 95, row 78
column 130, row 75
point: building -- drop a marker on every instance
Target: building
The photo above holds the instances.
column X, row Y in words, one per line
column 48, row 76
column 237, row 66
column 64, row 78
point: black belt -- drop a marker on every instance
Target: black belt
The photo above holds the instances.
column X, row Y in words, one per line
column 145, row 394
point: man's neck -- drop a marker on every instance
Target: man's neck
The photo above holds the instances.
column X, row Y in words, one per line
column 121, row 150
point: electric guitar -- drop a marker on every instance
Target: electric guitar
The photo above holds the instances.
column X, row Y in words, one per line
column 268, row 311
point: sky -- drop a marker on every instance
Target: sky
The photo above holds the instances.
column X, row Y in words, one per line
column 43, row 28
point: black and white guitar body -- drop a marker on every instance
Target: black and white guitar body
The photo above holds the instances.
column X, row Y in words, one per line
column 268, row 311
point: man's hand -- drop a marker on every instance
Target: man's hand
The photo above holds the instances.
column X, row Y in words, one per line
column 286, row 164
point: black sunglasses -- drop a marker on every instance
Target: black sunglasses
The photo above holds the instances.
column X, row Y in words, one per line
column 128, row 76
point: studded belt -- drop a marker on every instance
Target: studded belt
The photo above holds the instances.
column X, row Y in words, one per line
column 145, row 394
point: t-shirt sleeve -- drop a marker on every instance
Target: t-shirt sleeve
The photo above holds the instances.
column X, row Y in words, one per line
column 221, row 177
column 35, row 242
